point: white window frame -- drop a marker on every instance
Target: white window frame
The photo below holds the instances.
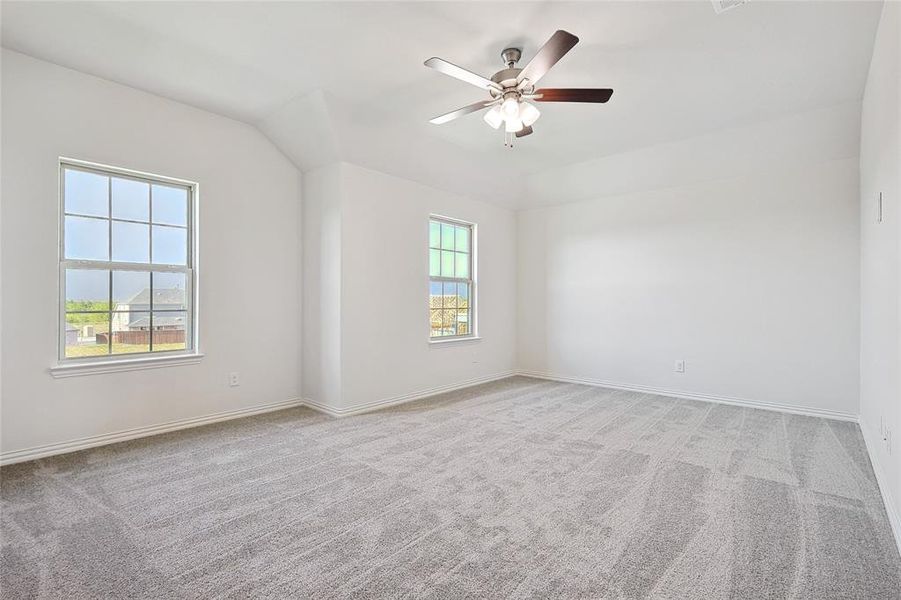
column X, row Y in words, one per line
column 471, row 280
column 112, row 362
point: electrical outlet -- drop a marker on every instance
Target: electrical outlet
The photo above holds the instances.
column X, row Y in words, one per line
column 233, row 379
column 680, row 366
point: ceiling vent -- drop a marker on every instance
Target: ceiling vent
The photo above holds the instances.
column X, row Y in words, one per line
column 721, row 6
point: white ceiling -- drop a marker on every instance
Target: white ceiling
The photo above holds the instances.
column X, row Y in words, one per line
column 329, row 81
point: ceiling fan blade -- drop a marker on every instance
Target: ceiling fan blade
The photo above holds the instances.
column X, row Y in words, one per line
column 439, row 64
column 600, row 95
column 527, row 130
column 469, row 108
column 552, row 51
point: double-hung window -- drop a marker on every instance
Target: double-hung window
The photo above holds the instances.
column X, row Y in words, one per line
column 451, row 281
column 126, row 265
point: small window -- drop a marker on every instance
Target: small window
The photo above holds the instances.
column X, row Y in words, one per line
column 451, row 281
column 126, row 263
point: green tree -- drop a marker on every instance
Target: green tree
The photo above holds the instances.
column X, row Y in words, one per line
column 76, row 317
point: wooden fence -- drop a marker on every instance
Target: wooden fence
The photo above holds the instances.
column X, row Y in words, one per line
column 163, row 336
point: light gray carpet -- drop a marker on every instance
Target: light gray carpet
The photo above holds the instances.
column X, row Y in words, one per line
column 520, row 488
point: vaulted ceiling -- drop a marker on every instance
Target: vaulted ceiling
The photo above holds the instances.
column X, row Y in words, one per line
column 345, row 81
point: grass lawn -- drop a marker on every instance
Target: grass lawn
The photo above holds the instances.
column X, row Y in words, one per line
column 100, row 349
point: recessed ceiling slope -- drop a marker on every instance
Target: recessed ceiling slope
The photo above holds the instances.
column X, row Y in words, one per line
column 678, row 68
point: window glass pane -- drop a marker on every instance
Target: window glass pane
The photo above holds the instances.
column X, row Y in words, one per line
column 86, row 193
column 87, row 239
column 435, row 294
column 131, row 199
column 170, row 245
column 438, row 324
column 130, row 332
column 448, row 323
column 170, row 205
column 447, row 263
column 169, row 291
column 462, row 322
column 450, row 295
column 87, row 289
column 169, row 330
column 434, row 263
column 462, row 268
column 434, row 234
column 87, row 334
column 462, row 239
column 131, row 290
column 447, row 236
column 465, row 308
column 435, row 322
column 462, row 294
column 111, row 217
column 131, row 242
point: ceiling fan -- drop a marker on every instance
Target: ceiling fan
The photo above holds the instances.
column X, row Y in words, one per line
column 511, row 87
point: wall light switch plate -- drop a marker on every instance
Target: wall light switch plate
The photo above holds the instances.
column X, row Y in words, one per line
column 680, row 366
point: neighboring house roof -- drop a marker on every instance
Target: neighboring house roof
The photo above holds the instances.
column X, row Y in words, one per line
column 71, row 327
column 447, row 301
column 160, row 296
column 158, row 321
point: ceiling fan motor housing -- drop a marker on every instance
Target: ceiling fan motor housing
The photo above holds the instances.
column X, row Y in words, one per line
column 506, row 78
column 511, row 56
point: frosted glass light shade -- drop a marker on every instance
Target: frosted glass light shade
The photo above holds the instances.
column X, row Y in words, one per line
column 511, row 108
column 494, row 117
column 513, row 125
column 528, row 113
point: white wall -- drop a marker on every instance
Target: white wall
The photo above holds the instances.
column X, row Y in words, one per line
column 880, row 164
column 384, row 274
column 751, row 279
column 743, row 262
column 321, row 347
column 249, row 255
column 796, row 139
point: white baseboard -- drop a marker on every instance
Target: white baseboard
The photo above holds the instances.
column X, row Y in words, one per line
column 16, row 456
column 787, row 408
column 418, row 395
column 871, row 439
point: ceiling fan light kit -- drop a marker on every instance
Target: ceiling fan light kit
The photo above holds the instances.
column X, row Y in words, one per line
column 509, row 88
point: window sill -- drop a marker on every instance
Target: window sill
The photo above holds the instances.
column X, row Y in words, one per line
column 457, row 340
column 125, row 364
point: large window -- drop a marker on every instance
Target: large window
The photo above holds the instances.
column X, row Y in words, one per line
column 126, row 263
column 451, row 282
